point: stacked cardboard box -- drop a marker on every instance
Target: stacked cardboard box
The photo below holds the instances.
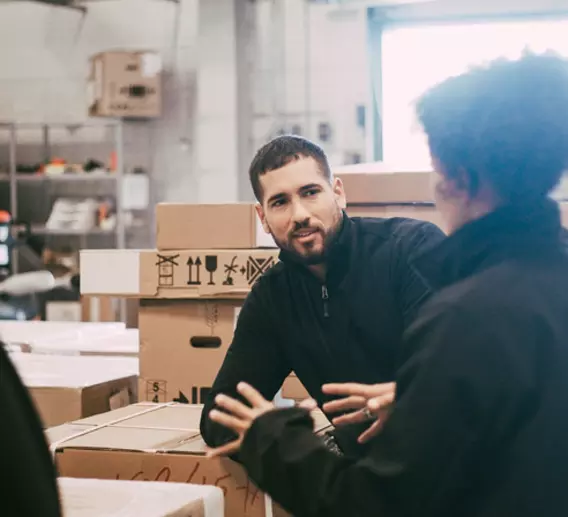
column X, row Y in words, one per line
column 381, row 190
column 156, row 442
column 191, row 289
column 125, row 84
column 67, row 388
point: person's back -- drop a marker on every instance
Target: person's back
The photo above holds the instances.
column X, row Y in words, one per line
column 29, row 487
column 502, row 300
column 529, row 463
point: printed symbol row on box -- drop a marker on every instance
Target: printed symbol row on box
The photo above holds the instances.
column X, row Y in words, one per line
column 252, row 270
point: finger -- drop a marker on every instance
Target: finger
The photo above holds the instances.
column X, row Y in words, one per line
column 234, row 407
column 309, row 404
column 224, row 450
column 370, row 433
column 376, row 403
column 347, row 388
column 356, row 417
column 236, row 424
column 353, row 402
column 253, row 396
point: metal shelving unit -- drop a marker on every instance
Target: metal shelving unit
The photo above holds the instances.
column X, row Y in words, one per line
column 16, row 179
column 108, row 184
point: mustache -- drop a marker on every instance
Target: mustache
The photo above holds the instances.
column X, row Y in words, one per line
column 303, row 225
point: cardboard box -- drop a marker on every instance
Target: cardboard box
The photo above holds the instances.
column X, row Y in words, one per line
column 68, row 388
column 422, row 213
column 82, row 498
column 99, row 308
column 154, row 442
column 379, row 183
column 173, row 274
column 182, row 346
column 210, row 226
column 294, row 389
column 125, row 84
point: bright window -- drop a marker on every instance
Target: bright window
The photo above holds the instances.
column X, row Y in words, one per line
column 415, row 58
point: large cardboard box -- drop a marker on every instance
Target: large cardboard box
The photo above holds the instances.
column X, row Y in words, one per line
column 155, row 442
column 82, row 498
column 210, row 226
column 125, row 84
column 67, row 388
column 182, row 346
column 420, row 212
column 174, row 274
column 379, row 183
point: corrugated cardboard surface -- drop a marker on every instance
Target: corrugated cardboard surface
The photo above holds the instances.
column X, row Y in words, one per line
column 387, row 187
column 174, row 274
column 294, row 389
column 67, row 388
column 164, row 446
column 422, row 213
column 209, row 226
column 83, row 498
column 125, row 84
column 182, row 346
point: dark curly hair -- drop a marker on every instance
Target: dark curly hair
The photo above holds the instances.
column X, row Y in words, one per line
column 505, row 123
column 281, row 151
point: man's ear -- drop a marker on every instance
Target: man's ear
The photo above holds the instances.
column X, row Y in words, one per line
column 262, row 217
column 339, row 193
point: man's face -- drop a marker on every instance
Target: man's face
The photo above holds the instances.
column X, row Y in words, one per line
column 301, row 209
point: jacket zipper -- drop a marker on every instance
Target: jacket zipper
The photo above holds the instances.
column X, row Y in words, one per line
column 325, row 298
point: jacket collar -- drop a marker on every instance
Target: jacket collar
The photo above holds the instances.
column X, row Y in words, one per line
column 337, row 256
column 509, row 232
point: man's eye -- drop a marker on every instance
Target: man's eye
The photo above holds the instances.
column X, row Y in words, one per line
column 277, row 203
column 312, row 192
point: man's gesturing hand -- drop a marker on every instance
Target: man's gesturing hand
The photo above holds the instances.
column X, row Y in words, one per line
column 368, row 401
column 237, row 416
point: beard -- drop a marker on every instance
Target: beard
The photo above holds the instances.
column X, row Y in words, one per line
column 308, row 254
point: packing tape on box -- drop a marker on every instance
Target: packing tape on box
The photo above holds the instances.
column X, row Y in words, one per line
column 55, row 445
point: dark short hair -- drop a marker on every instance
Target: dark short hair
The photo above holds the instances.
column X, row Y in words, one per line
column 281, row 151
column 505, row 123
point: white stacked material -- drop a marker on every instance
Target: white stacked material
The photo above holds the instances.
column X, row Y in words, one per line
column 109, row 339
column 82, row 498
column 44, row 371
column 29, row 331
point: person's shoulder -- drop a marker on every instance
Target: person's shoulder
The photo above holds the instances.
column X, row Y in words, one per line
column 269, row 282
column 496, row 292
column 397, row 227
column 408, row 236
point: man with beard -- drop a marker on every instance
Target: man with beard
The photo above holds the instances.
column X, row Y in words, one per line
column 335, row 307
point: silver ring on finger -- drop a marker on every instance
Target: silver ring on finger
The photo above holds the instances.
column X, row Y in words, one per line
column 367, row 412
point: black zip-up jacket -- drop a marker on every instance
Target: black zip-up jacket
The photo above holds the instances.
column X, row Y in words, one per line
column 346, row 330
column 29, row 486
column 479, row 427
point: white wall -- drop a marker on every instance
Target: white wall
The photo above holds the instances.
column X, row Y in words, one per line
column 312, row 68
column 44, row 62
